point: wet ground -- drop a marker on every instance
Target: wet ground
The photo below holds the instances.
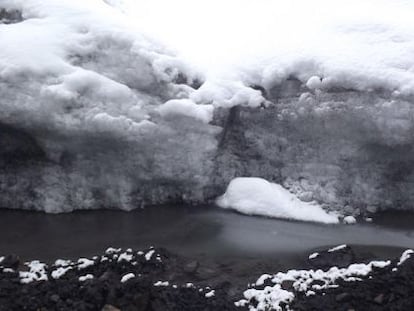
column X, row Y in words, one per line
column 200, row 232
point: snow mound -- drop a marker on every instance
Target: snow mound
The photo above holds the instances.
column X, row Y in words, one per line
column 272, row 296
column 256, row 196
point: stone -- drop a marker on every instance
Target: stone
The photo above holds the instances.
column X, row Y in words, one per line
column 191, row 267
column 287, row 285
column 342, row 297
column 110, row 308
column 55, row 298
column 379, row 299
column 11, row 261
column 372, row 209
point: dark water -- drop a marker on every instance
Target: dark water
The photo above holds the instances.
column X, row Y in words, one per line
column 200, row 231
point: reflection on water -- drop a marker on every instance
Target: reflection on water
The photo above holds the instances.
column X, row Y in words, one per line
column 189, row 231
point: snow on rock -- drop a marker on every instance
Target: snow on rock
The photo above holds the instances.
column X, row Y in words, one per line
column 270, row 293
column 148, row 255
column 337, row 248
column 59, row 272
column 256, row 196
column 125, row 257
column 83, row 263
column 407, row 254
column 161, row 283
column 349, row 220
column 186, row 107
column 37, row 272
column 127, row 277
column 86, row 277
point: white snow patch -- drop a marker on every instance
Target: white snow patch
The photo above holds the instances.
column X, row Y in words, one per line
column 314, row 83
column 210, row 294
column 262, row 279
column 62, row 262
column 37, row 272
column 148, row 255
column 405, row 255
column 127, row 277
column 84, row 263
column 256, row 196
column 59, row 272
column 187, row 107
column 111, row 250
column 161, row 283
column 125, row 257
column 337, row 248
column 313, row 255
column 88, row 276
column 349, row 220
column 272, row 297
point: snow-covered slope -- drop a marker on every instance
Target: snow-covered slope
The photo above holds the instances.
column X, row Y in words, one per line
column 97, row 112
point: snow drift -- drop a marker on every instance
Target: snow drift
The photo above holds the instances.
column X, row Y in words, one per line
column 256, row 196
column 97, row 112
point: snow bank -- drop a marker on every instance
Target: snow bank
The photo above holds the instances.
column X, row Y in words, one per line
column 120, row 104
column 69, row 65
column 187, row 108
column 347, row 43
column 256, row 196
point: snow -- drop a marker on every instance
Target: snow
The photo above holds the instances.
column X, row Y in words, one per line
column 161, row 283
column 210, row 294
column 86, row 277
column 59, row 272
column 349, row 220
column 149, row 254
column 151, row 83
column 337, row 248
column 127, row 277
column 346, row 42
column 256, row 196
column 405, row 255
column 188, row 108
column 125, row 257
column 313, row 255
column 83, row 263
column 272, row 297
column 112, row 250
column 37, row 272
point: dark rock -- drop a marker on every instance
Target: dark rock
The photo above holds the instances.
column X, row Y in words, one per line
column 110, row 308
column 341, row 258
column 191, row 267
column 342, row 297
column 287, row 285
column 379, row 299
column 10, row 16
column 11, row 261
column 54, row 298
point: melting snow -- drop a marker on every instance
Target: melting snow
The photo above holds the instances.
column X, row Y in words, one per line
column 256, row 196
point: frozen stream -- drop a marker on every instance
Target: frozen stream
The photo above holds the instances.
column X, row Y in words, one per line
column 193, row 232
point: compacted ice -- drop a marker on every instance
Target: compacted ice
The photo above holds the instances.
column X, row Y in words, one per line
column 96, row 114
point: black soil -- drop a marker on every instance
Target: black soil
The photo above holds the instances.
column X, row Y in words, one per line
column 382, row 289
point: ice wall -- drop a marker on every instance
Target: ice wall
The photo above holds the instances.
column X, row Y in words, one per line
column 96, row 115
